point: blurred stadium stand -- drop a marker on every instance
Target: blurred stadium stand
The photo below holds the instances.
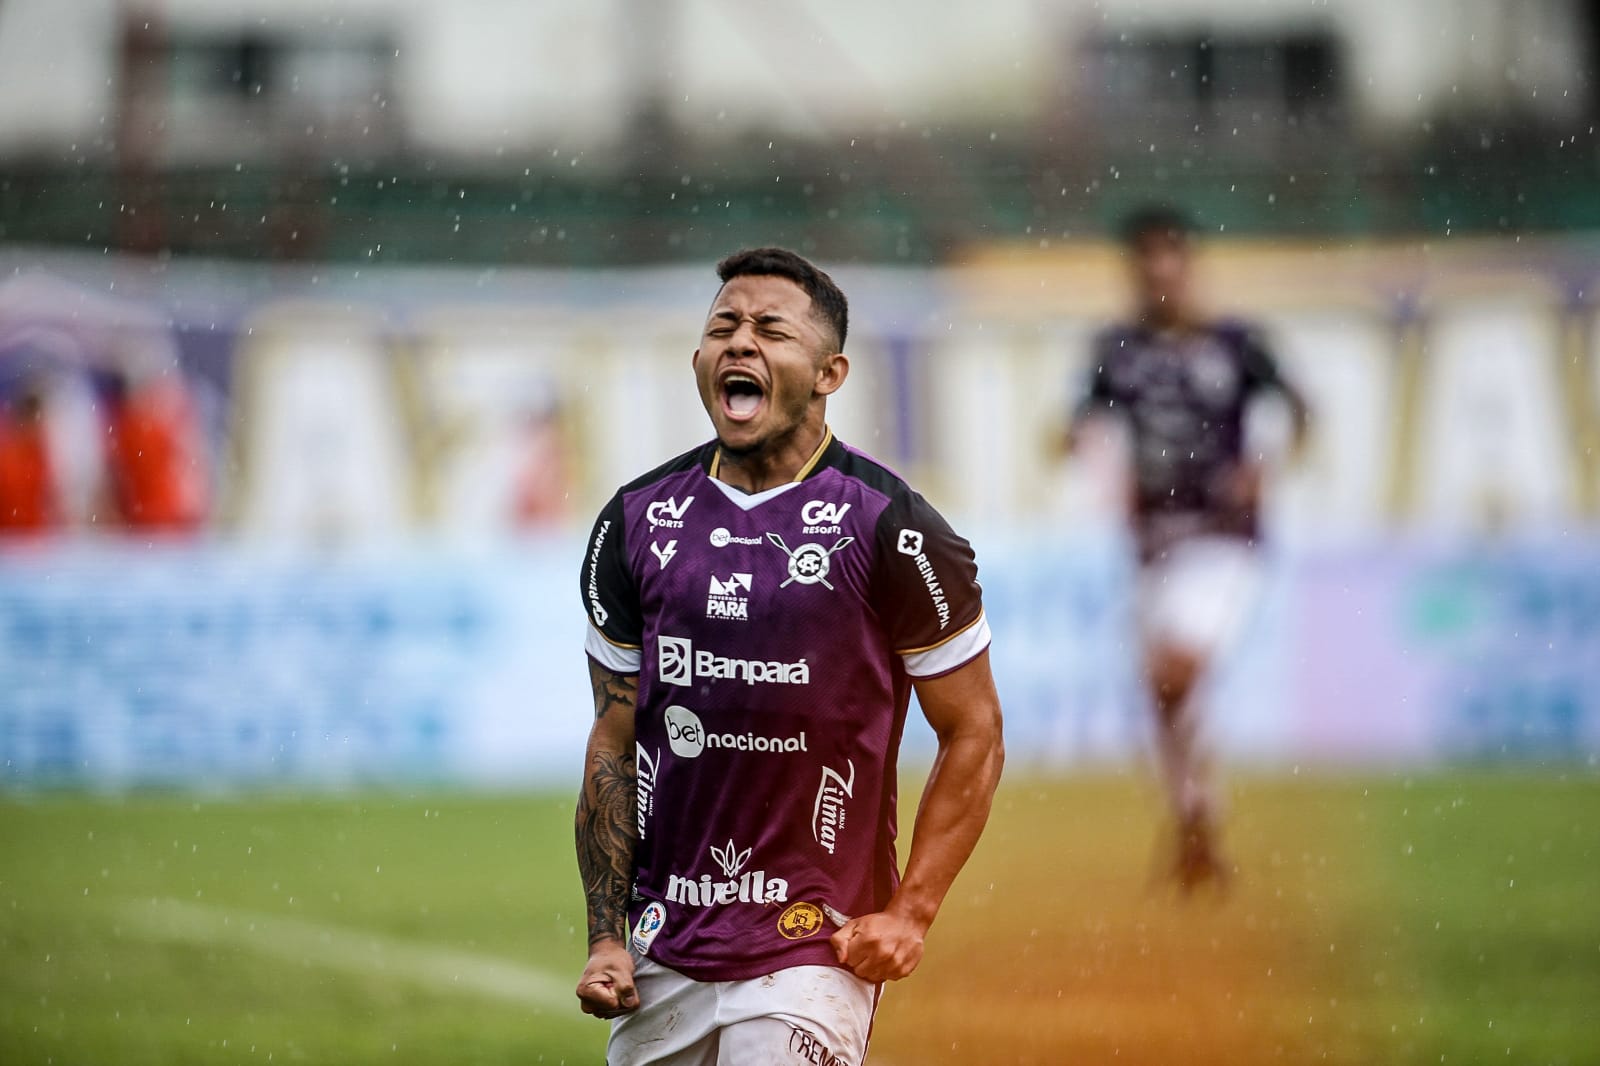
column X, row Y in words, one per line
column 370, row 257
column 538, row 133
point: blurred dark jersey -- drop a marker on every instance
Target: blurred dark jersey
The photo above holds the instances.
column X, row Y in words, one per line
column 1184, row 398
column 776, row 636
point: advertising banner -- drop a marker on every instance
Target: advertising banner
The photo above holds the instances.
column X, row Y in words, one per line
column 224, row 666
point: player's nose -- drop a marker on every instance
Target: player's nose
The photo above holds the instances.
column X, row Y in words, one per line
column 743, row 340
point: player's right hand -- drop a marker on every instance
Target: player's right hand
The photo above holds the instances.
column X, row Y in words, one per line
column 606, row 988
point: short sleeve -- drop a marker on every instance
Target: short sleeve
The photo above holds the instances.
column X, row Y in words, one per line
column 611, row 595
column 925, row 589
column 1094, row 394
column 1260, row 368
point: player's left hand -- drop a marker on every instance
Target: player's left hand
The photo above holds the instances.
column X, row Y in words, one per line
column 879, row 947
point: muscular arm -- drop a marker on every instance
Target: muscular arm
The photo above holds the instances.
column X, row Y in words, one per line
column 964, row 710
column 606, row 831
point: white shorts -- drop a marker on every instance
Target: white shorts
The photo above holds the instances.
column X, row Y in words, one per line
column 1199, row 596
column 805, row 1014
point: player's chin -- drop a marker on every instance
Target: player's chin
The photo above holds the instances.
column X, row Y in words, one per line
column 739, row 438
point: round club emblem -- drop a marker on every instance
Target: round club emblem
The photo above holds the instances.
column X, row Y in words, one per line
column 809, row 564
column 800, row 921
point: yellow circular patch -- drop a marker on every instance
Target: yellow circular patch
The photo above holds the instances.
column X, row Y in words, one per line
column 800, row 921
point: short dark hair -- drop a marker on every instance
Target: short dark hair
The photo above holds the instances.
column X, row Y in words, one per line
column 1153, row 219
column 828, row 304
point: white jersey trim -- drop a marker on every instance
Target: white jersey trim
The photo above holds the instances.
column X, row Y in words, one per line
column 618, row 660
column 955, row 652
column 747, row 501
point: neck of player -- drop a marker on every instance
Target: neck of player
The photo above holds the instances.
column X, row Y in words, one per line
column 776, row 461
column 1173, row 317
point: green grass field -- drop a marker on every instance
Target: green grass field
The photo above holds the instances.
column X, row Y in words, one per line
column 1448, row 918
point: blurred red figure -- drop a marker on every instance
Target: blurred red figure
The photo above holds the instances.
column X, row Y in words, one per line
column 542, row 483
column 154, row 465
column 27, row 479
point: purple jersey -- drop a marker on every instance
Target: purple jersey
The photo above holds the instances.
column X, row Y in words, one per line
column 775, row 636
column 1184, row 397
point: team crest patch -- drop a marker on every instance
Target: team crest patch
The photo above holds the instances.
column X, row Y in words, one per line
column 809, row 563
column 650, row 923
column 800, row 920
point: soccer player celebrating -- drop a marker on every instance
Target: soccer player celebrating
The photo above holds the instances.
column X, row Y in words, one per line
column 760, row 610
column 1183, row 383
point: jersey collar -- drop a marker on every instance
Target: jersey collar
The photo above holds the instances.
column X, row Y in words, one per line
column 804, row 472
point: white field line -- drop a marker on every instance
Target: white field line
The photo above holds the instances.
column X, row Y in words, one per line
column 339, row 947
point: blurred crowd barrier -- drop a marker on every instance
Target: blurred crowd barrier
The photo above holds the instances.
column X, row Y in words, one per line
column 316, row 526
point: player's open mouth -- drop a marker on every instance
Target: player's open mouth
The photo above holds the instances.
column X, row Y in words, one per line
column 741, row 396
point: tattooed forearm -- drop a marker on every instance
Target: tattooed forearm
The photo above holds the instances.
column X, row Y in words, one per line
column 606, row 824
column 607, row 831
column 612, row 691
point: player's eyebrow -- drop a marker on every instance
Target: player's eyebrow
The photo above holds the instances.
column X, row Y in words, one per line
column 766, row 318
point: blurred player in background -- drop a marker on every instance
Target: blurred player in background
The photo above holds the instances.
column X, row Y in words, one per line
column 1182, row 382
column 761, row 608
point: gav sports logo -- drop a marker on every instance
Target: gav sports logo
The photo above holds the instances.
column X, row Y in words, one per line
column 827, row 813
column 668, row 513
column 677, row 663
column 738, row 886
column 688, row 737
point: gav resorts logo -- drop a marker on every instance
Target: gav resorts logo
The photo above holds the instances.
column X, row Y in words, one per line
column 828, row 811
column 739, row 885
column 809, row 563
column 821, row 517
column 688, row 737
column 677, row 663
column 668, row 513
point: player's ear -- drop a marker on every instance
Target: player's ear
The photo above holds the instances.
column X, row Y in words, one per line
column 694, row 360
column 831, row 372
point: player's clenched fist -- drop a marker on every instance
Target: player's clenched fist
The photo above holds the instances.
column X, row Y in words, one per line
column 879, row 947
column 606, row 988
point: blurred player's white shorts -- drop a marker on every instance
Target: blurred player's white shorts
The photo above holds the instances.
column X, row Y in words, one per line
column 1200, row 596
column 817, row 1014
